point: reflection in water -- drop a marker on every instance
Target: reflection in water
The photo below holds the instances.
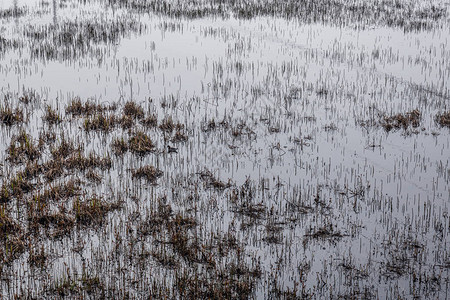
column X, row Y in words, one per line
column 54, row 12
column 16, row 13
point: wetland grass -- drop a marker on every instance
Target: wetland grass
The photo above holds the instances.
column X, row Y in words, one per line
column 10, row 116
column 23, row 148
column 52, row 117
column 404, row 121
column 150, row 121
column 77, row 108
column 92, row 210
column 443, row 119
column 140, row 143
column 150, row 173
column 285, row 198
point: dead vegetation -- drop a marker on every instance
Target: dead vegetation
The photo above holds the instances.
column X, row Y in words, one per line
column 404, row 121
column 233, row 230
column 168, row 125
column 92, row 210
column 212, row 182
column 150, row 121
column 149, row 173
column 443, row 119
column 92, row 160
column 100, row 122
column 133, row 110
column 10, row 116
column 23, row 148
column 327, row 232
column 119, row 146
column 140, row 143
column 52, row 117
column 77, row 108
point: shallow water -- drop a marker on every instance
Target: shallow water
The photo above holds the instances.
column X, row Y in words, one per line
column 302, row 106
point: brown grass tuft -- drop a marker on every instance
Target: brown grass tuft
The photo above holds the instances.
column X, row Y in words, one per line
column 149, row 173
column 443, row 119
column 140, row 143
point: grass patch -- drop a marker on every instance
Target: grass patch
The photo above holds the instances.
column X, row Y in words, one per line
column 141, row 144
column 92, row 210
column 52, row 117
column 443, row 119
column 10, row 116
column 412, row 118
column 24, row 149
column 77, row 108
column 149, row 173
column 100, row 122
column 119, row 146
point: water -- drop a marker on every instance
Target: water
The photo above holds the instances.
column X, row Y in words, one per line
column 288, row 117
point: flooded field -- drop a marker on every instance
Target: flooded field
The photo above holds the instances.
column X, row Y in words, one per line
column 224, row 149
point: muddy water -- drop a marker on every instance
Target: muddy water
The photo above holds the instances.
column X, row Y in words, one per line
column 351, row 209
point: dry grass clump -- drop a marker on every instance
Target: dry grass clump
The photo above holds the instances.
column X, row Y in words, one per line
column 140, row 143
column 65, row 148
column 10, row 116
column 133, row 110
column 31, row 170
column 119, row 146
column 16, row 187
column 61, row 191
column 80, row 162
column 325, row 233
column 92, row 210
column 212, row 182
column 53, row 169
column 37, row 257
column 52, row 117
column 68, row 287
column 443, row 119
column 60, row 220
column 29, row 97
column 5, row 195
column 179, row 136
column 397, row 121
column 8, row 225
column 150, row 121
column 93, row 176
column 165, row 259
column 158, row 217
column 15, row 12
column 23, row 148
column 100, row 122
column 77, row 108
column 211, row 125
column 13, row 242
column 168, row 125
column 149, row 173
column 14, row 246
column 39, row 210
column 220, row 285
column 126, row 122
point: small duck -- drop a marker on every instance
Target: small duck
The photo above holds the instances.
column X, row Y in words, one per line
column 172, row 149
